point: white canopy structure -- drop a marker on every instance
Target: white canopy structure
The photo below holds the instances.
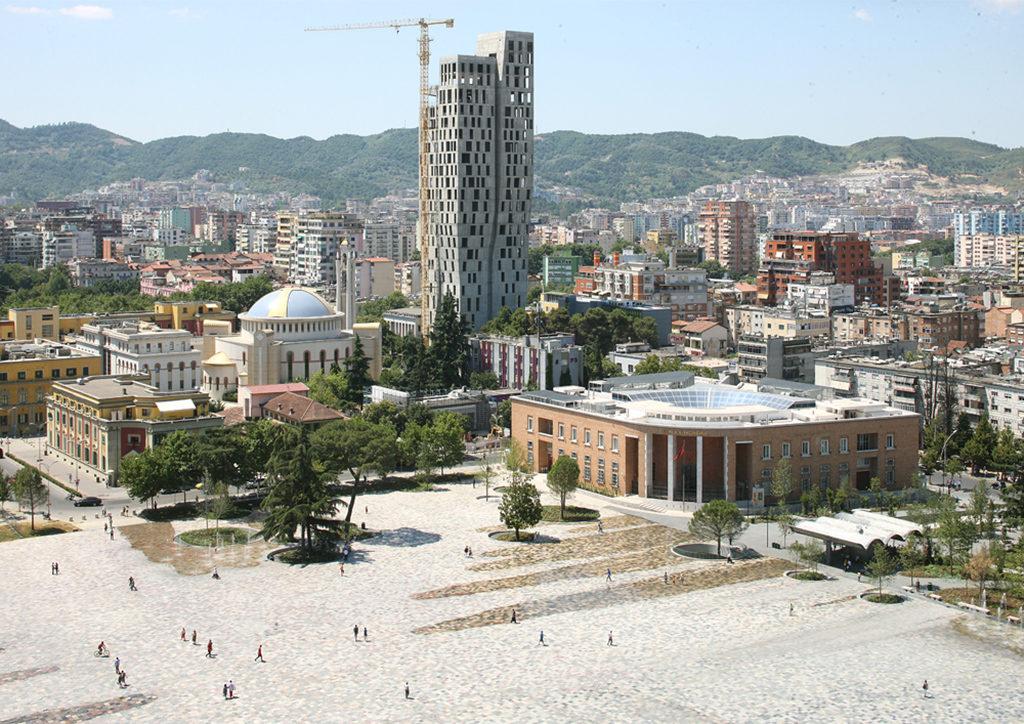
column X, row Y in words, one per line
column 861, row 528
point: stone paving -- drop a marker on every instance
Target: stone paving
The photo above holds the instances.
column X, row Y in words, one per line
column 725, row 653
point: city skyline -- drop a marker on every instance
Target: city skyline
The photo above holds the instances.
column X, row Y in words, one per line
column 896, row 58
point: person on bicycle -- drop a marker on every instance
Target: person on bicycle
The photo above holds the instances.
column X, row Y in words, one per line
column 101, row 649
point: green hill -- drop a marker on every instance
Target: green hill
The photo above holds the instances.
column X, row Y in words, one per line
column 69, row 157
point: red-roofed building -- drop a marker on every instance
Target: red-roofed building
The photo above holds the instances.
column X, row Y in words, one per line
column 700, row 337
column 252, row 398
column 296, row 409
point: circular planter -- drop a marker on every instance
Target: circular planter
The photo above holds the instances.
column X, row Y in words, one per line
column 709, row 551
column 224, row 542
column 887, row 598
column 325, row 557
column 525, row 536
column 809, row 576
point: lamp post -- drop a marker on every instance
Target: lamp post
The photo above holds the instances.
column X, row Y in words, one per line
column 942, row 454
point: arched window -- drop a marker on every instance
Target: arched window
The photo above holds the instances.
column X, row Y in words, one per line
column 323, row 360
column 291, row 361
column 181, row 367
column 305, row 363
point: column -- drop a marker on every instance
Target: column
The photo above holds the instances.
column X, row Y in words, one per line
column 648, row 464
column 700, row 469
column 671, row 467
column 725, row 467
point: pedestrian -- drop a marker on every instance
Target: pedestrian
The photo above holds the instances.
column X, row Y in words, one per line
column 117, row 664
column 367, row 510
column 924, row 688
column 341, row 568
column 183, row 634
column 541, row 642
column 131, row 584
column 355, row 632
column 111, row 532
column 53, row 570
column 231, row 689
column 666, row 578
column 104, row 526
column 259, row 654
column 465, row 551
column 194, row 637
column 407, row 690
column 611, row 642
column 600, row 527
column 209, row 649
column 608, row 575
column 122, row 680
column 791, row 609
column 225, row 690
column 858, row 576
column 366, row 636
column 471, row 552
column 514, row 616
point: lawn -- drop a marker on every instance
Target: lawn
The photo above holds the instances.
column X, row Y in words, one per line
column 573, row 514
column 213, row 537
column 973, row 596
column 24, row 528
column 808, row 576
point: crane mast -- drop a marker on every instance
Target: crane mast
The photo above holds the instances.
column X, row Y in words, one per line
column 423, row 225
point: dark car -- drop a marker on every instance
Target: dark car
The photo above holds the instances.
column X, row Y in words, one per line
column 89, row 501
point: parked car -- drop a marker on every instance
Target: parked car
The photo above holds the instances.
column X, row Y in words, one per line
column 89, row 501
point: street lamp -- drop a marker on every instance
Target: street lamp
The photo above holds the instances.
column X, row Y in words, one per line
column 942, row 454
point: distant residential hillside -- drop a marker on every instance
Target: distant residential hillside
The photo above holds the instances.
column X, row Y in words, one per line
column 69, row 157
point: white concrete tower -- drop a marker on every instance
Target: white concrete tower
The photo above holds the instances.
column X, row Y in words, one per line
column 345, row 285
column 480, row 178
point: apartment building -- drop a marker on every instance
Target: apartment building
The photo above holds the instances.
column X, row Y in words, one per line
column 392, row 240
column 170, row 358
column 728, row 231
column 27, row 371
column 639, row 279
column 546, row 361
column 317, row 238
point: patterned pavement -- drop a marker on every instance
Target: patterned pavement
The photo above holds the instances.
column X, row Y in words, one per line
column 691, row 651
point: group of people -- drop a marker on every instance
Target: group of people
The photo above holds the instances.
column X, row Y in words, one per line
column 229, row 689
column 355, row 633
column 122, row 675
column 468, row 552
column 55, row 569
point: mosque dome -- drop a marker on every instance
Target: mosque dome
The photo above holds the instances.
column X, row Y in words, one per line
column 290, row 303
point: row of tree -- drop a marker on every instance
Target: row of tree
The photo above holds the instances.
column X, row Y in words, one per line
column 27, row 488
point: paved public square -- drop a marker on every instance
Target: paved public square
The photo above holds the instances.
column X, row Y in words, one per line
column 688, row 649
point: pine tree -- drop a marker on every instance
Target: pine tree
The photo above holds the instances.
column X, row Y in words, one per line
column 449, row 346
column 357, row 372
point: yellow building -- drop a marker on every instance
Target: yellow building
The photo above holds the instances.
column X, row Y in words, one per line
column 659, row 238
column 189, row 315
column 94, row 423
column 35, row 322
column 27, row 373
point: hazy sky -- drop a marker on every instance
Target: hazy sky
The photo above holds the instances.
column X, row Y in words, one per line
column 837, row 72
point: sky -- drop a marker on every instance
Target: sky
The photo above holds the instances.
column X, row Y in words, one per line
column 834, row 71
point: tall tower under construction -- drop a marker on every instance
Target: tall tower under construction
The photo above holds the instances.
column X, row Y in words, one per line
column 480, row 179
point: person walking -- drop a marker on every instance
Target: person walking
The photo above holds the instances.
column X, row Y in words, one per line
column 608, row 575
column 225, row 690
column 231, row 689
column 541, row 641
column 600, row 527
column 611, row 642
column 117, row 664
column 122, row 680
column 183, row 634
column 131, row 584
column 924, row 688
column 341, row 568
column 111, row 532
column 366, row 636
column 259, row 654
column 514, row 616
column 194, row 642
column 407, row 690
column 791, row 609
column 209, row 649
column 666, row 578
column 355, row 632
column 52, row 569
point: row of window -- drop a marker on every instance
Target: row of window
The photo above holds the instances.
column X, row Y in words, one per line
column 54, row 373
column 574, row 434
column 866, row 442
column 825, row 475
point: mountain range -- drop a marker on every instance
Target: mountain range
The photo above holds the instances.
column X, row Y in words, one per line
column 52, row 160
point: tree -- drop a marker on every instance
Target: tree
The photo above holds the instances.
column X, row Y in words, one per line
column 358, row 447
column 357, row 373
column 449, row 346
column 299, row 496
column 563, row 477
column 503, row 415
column 144, row 474
column 718, row 519
column 221, row 504
column 808, row 552
column 485, row 476
column 979, row 567
column 1006, row 456
column 953, row 532
column 881, row 566
column 444, row 444
column 516, row 462
column 977, row 451
column 785, row 521
column 5, row 489
column 483, row 381
column 222, row 455
column 520, row 506
column 978, row 506
column 911, row 556
column 650, row 364
column 782, row 481
column 331, row 388
column 30, row 491
column 185, row 469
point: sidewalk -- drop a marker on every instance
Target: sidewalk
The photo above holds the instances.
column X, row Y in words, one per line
column 31, row 449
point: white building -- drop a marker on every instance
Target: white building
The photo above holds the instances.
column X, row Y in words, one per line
column 821, row 294
column 375, row 277
column 290, row 334
column 90, row 272
column 21, row 246
column 389, row 239
column 170, row 357
column 407, row 278
column 60, row 247
column 170, row 235
column 480, row 179
column 317, row 238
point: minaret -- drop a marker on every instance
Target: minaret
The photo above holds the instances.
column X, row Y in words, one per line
column 345, row 284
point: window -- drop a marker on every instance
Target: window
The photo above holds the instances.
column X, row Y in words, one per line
column 586, row 468
column 615, row 474
column 890, row 472
column 890, row 441
column 561, row 431
column 825, row 478
column 844, row 445
column 785, row 450
column 766, row 452
column 805, row 448
column 586, row 437
column 823, row 446
column 600, row 470
column 529, row 452
column 844, row 474
column 615, row 444
column 573, row 434
column 529, row 423
column 600, row 439
column 867, row 441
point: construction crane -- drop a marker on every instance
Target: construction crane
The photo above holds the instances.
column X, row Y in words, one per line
column 424, row 53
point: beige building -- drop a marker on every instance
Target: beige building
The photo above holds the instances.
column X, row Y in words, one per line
column 691, row 443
